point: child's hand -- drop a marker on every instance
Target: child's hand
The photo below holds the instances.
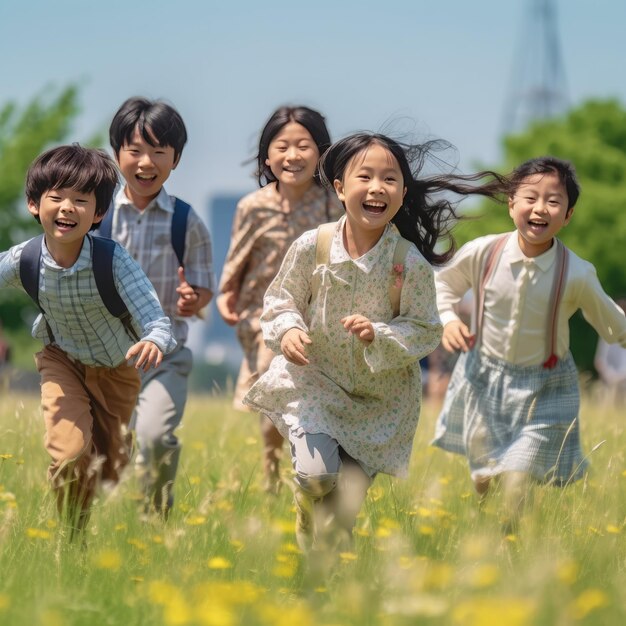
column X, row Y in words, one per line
column 360, row 326
column 293, row 346
column 457, row 336
column 191, row 300
column 226, row 303
column 148, row 355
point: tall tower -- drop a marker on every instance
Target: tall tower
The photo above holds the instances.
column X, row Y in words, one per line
column 538, row 88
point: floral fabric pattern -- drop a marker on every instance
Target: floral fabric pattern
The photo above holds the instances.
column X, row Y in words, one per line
column 366, row 397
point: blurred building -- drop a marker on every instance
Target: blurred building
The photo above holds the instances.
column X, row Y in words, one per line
column 213, row 342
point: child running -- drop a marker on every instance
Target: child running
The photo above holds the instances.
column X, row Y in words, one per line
column 173, row 246
column 291, row 201
column 88, row 390
column 346, row 389
column 513, row 400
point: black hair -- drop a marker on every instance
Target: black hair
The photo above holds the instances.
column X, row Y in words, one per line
column 74, row 167
column 155, row 119
column 548, row 165
column 313, row 121
column 423, row 218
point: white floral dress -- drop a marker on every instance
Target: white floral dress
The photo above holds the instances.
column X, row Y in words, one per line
column 367, row 398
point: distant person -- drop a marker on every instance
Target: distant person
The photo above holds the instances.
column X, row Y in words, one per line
column 610, row 363
column 148, row 138
column 291, row 200
column 349, row 314
column 88, row 389
column 513, row 400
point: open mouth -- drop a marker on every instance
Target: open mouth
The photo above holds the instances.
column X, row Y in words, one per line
column 537, row 224
column 376, row 208
column 293, row 170
column 64, row 224
column 145, row 178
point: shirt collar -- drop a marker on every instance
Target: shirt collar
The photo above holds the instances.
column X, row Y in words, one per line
column 83, row 261
column 371, row 258
column 162, row 201
column 515, row 255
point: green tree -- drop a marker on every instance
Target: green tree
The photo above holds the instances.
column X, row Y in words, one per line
column 593, row 137
column 24, row 133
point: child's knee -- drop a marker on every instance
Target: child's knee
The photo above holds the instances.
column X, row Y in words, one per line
column 318, row 485
column 69, row 449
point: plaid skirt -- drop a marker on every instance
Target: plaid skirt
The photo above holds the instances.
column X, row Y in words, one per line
column 507, row 417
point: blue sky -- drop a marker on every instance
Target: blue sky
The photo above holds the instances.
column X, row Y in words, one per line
column 439, row 69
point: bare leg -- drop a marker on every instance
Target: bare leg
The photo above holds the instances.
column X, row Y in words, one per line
column 272, row 451
column 481, row 485
column 337, row 511
column 516, row 486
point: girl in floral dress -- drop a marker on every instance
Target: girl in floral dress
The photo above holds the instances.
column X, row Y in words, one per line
column 291, row 200
column 345, row 389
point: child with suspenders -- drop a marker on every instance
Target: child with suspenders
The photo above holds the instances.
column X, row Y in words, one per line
column 512, row 402
column 98, row 310
column 350, row 313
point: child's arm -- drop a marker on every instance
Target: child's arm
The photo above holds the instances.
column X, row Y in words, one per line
column 293, row 346
column 360, row 326
column 196, row 281
column 416, row 331
column 226, row 304
column 9, row 268
column 147, row 355
column 457, row 336
column 148, row 319
column 603, row 313
column 243, row 237
column 191, row 300
column 286, row 299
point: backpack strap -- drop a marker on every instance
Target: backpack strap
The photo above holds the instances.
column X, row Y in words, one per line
column 102, row 251
column 105, row 228
column 323, row 242
column 399, row 261
column 491, row 261
column 30, row 264
column 558, row 283
column 178, row 230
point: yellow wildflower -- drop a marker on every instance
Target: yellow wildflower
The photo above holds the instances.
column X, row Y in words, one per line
column 219, row 562
column 37, row 533
column 108, row 559
column 588, row 601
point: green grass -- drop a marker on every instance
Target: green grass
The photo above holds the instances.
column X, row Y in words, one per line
column 227, row 556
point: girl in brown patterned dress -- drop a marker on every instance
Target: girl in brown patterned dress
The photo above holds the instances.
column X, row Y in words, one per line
column 290, row 201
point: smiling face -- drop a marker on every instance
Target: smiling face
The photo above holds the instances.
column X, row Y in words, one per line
column 66, row 215
column 145, row 168
column 372, row 190
column 292, row 155
column 539, row 211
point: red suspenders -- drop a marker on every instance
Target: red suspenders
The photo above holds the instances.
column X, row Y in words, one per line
column 558, row 284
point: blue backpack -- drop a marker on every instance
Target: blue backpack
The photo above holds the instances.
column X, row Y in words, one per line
column 178, row 232
column 102, row 263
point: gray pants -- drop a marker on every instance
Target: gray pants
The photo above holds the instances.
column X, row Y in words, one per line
column 335, row 481
column 158, row 413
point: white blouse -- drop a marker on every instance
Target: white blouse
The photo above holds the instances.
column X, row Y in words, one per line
column 517, row 300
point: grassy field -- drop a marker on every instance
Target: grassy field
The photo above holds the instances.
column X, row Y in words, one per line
column 227, row 556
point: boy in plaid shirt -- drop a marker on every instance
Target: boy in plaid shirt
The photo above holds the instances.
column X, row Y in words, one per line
column 88, row 389
column 148, row 139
